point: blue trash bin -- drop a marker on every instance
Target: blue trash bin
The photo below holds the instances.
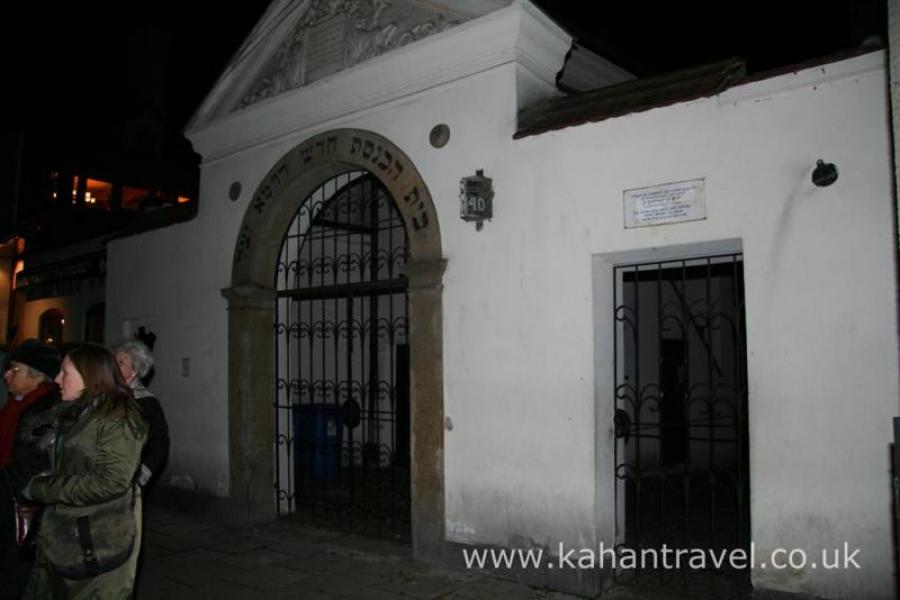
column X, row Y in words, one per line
column 318, row 432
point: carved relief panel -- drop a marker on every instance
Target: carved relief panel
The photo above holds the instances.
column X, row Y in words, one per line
column 332, row 35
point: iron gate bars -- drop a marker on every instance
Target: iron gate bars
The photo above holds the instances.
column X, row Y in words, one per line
column 681, row 453
column 341, row 351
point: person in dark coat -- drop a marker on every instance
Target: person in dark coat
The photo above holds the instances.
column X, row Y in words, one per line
column 97, row 451
column 135, row 361
column 27, row 424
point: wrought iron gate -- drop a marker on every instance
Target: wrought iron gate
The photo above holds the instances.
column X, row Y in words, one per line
column 342, row 382
column 682, row 470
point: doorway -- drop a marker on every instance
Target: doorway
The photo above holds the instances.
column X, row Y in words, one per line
column 681, row 451
column 342, row 409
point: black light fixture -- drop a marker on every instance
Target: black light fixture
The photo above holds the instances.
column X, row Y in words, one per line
column 824, row 174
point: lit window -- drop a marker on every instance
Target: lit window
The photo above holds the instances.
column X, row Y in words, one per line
column 97, row 193
column 51, row 326
column 54, row 184
column 133, row 198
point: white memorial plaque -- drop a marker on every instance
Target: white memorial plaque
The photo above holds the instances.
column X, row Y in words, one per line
column 667, row 203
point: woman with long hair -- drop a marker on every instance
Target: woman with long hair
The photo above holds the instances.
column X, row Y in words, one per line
column 89, row 537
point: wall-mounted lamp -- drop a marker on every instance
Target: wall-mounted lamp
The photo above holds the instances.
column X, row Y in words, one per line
column 476, row 198
column 824, row 174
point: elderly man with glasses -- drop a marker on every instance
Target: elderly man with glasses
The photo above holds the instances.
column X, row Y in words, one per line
column 26, row 428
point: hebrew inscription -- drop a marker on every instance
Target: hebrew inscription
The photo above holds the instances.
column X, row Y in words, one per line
column 368, row 153
column 373, row 153
column 268, row 188
column 244, row 243
column 318, row 148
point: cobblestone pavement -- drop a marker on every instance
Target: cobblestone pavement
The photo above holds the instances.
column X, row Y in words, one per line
column 190, row 558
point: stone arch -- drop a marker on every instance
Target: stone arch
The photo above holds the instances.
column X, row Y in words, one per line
column 251, row 304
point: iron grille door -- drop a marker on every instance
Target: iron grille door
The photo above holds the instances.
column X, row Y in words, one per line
column 341, row 349
column 681, row 458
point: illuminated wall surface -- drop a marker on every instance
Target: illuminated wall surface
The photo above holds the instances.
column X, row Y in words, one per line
column 528, row 323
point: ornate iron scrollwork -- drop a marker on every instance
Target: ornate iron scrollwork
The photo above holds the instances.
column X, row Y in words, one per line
column 342, row 404
column 680, row 421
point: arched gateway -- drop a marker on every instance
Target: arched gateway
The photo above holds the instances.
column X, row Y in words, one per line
column 345, row 159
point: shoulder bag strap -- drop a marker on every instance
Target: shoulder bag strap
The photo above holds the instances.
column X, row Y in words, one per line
column 83, row 525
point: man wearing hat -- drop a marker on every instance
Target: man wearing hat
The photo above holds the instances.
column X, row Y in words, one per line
column 26, row 420
column 31, row 368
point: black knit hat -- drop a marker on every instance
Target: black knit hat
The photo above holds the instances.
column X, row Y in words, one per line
column 37, row 355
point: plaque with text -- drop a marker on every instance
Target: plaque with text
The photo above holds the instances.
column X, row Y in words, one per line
column 663, row 204
column 324, row 47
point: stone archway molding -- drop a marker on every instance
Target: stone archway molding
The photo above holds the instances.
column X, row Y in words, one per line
column 251, row 305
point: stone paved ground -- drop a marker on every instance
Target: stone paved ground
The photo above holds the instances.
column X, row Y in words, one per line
column 186, row 557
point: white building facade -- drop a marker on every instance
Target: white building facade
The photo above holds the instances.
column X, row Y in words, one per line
column 518, row 347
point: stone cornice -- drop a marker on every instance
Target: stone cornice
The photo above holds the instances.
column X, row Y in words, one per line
column 519, row 34
column 272, row 57
column 541, row 44
column 331, row 36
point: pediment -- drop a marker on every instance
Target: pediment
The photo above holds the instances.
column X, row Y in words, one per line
column 298, row 42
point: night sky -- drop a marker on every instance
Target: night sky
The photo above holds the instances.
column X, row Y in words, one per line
column 86, row 73
column 90, row 78
column 654, row 37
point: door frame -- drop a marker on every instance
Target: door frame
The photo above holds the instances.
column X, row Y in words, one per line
column 609, row 525
column 251, row 303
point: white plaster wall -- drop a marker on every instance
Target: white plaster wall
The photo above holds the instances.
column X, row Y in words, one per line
column 168, row 280
column 820, row 314
column 529, row 457
column 893, row 11
column 171, row 278
column 74, row 307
